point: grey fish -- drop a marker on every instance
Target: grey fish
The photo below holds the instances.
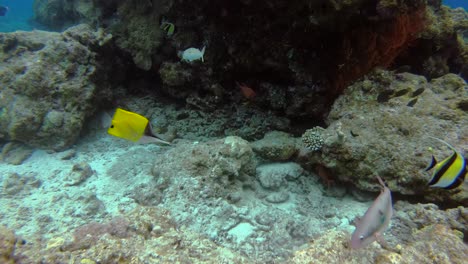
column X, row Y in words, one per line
column 375, row 221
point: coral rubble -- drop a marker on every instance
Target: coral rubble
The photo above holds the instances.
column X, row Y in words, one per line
column 145, row 235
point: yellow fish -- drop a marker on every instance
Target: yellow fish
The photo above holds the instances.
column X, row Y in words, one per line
column 134, row 127
column 449, row 173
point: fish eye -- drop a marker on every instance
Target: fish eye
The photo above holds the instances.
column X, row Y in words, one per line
column 112, row 126
column 361, row 237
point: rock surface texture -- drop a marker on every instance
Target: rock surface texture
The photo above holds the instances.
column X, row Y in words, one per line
column 382, row 126
column 296, row 57
column 48, row 85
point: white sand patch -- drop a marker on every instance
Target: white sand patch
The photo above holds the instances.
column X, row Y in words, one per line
column 54, row 206
column 241, row 231
column 121, row 171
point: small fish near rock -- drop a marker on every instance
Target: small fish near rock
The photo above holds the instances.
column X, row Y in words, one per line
column 192, row 54
column 134, row 127
column 247, row 92
column 167, row 27
column 3, row 10
column 375, row 221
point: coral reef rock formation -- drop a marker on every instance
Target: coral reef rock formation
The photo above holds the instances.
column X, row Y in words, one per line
column 410, row 216
column 275, row 146
column 432, row 244
column 48, row 85
column 60, row 14
column 216, row 164
column 442, row 46
column 194, row 123
column 266, row 212
column 145, row 235
column 419, row 233
column 297, row 61
column 386, row 121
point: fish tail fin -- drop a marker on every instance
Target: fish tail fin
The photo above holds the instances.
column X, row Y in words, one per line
column 432, row 164
column 203, row 53
column 155, row 137
column 162, row 19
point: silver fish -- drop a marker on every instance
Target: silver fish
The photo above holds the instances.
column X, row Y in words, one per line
column 375, row 221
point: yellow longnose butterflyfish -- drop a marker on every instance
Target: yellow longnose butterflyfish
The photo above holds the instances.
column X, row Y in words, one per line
column 134, row 127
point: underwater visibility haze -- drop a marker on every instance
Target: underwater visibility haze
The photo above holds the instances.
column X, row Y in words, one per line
column 16, row 15
column 267, row 131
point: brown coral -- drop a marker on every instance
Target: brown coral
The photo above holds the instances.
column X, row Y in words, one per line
column 375, row 44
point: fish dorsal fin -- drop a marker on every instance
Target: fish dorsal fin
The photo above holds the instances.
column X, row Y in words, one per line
column 203, row 53
column 432, row 164
column 445, row 142
column 381, row 181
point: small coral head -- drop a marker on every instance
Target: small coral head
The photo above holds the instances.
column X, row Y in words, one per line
column 313, row 139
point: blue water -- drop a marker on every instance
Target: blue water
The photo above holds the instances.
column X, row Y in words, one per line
column 18, row 17
column 20, row 14
column 457, row 3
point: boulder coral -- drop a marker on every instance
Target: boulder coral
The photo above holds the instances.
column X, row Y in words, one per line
column 387, row 120
column 62, row 71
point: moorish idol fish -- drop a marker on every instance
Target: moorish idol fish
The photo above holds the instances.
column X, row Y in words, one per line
column 134, row 127
column 449, row 173
column 375, row 221
column 167, row 26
